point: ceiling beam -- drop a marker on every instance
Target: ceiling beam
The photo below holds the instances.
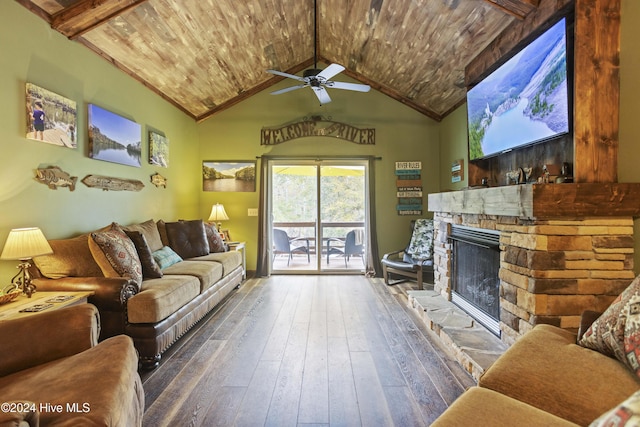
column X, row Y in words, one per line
column 86, row 15
column 518, row 8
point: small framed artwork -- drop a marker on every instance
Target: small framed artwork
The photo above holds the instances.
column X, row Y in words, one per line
column 113, row 138
column 51, row 118
column 229, row 175
column 158, row 149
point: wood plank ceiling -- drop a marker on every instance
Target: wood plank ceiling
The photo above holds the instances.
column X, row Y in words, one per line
column 204, row 56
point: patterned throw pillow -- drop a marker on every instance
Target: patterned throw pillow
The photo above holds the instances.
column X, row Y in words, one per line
column 166, row 257
column 120, row 252
column 216, row 244
column 616, row 332
column 150, row 268
column 626, row 414
column 421, row 245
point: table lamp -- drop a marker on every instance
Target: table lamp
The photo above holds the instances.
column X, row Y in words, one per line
column 23, row 244
column 218, row 214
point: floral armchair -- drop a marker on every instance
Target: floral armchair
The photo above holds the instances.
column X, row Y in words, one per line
column 415, row 260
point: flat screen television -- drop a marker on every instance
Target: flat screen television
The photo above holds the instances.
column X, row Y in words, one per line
column 524, row 101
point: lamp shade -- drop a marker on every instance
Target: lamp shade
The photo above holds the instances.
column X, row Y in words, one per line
column 25, row 243
column 218, row 213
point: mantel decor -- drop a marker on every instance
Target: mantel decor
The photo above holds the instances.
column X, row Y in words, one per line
column 317, row 126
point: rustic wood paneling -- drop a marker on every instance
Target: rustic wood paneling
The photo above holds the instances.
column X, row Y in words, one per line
column 597, row 90
column 518, row 8
column 205, row 55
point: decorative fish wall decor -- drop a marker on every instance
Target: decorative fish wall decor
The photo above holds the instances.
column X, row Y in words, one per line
column 159, row 180
column 55, row 177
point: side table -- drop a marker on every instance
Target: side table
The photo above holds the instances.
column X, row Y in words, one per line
column 50, row 300
column 240, row 247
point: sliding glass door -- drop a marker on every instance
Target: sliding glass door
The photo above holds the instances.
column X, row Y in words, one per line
column 317, row 211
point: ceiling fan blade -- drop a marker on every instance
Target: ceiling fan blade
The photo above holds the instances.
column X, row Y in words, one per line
column 330, row 71
column 291, row 76
column 348, row 86
column 322, row 95
column 287, row 89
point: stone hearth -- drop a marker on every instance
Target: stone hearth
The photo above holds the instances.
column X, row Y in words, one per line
column 552, row 268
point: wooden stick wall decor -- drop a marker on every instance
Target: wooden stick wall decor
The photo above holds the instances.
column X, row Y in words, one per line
column 110, row 183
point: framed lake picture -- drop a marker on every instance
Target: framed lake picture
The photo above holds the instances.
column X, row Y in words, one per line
column 228, row 175
column 158, row 149
column 51, row 118
column 113, row 138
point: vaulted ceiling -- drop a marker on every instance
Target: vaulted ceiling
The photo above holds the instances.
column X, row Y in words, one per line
column 204, row 56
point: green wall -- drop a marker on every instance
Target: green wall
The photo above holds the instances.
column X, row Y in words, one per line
column 401, row 134
column 32, row 52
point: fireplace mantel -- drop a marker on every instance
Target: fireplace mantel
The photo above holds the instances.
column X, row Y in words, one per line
column 538, row 201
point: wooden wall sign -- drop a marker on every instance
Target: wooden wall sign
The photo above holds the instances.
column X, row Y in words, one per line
column 110, row 183
column 317, row 126
column 409, row 186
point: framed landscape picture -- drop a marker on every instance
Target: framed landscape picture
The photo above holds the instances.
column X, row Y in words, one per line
column 51, row 118
column 158, row 149
column 113, row 138
column 229, row 175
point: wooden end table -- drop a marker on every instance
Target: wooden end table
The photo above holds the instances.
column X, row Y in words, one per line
column 50, row 300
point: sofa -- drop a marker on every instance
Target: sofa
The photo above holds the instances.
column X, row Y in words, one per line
column 152, row 281
column 56, row 372
column 554, row 377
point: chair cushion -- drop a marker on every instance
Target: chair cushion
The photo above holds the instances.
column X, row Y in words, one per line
column 116, row 254
column 187, row 238
column 616, row 332
column 229, row 260
column 150, row 231
column 482, row 407
column 545, row 368
column 421, row 245
column 216, row 244
column 207, row 272
column 70, row 258
column 113, row 364
column 166, row 257
column 160, row 298
column 150, row 268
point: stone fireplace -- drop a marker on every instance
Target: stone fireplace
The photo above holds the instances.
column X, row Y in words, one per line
column 554, row 264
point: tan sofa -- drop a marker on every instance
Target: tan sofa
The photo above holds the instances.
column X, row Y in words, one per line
column 153, row 304
column 56, row 372
column 544, row 379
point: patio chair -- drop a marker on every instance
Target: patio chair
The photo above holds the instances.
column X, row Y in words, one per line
column 353, row 244
column 282, row 245
column 415, row 260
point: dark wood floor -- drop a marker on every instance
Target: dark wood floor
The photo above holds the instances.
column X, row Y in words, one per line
column 305, row 350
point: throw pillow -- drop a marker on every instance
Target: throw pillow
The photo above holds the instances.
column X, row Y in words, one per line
column 616, row 332
column 70, row 258
column 187, row 238
column 421, row 245
column 216, row 244
column 150, row 231
column 626, row 414
column 120, row 252
column 166, row 257
column 150, row 267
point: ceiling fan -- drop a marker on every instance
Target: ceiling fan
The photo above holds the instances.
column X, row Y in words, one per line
column 317, row 79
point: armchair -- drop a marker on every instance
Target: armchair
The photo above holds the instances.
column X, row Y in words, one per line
column 282, row 245
column 55, row 358
column 415, row 260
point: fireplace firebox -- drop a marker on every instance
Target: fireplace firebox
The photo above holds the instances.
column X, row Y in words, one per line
column 475, row 284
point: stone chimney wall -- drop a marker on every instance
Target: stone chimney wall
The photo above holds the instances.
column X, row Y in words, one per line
column 550, row 270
